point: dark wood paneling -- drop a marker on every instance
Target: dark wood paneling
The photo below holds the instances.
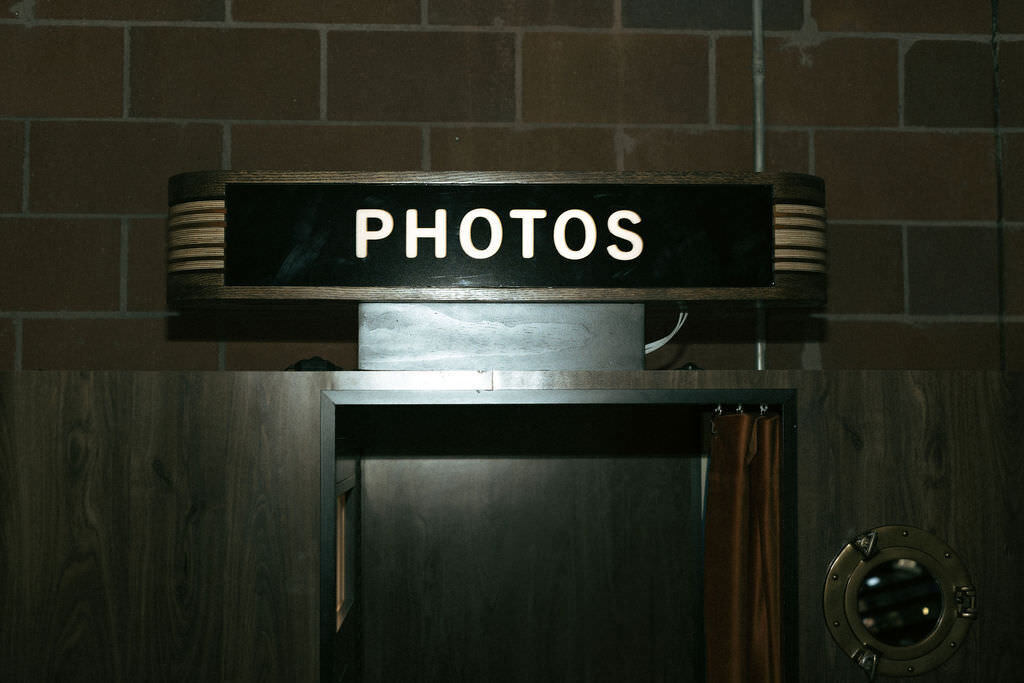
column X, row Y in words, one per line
column 522, row 569
column 273, row 509
column 64, row 530
column 158, row 526
column 200, row 185
column 164, row 526
column 936, row 450
column 940, row 451
column 177, row 515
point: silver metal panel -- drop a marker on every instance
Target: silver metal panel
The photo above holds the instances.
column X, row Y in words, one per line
column 427, row 380
column 501, row 336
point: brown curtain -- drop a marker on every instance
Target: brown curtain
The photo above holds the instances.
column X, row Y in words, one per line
column 742, row 597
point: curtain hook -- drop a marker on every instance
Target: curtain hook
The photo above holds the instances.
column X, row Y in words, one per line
column 764, row 409
column 739, row 409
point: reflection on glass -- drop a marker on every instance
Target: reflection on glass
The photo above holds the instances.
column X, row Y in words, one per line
column 899, row 602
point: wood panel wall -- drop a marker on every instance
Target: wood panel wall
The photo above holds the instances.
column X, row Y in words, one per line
column 163, row 527
column 158, row 527
column 938, row 451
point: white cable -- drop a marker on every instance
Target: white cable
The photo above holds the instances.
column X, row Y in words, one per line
column 655, row 345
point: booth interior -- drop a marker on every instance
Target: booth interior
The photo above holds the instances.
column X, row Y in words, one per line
column 520, row 534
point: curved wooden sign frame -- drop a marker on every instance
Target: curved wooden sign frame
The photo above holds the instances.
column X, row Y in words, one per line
column 197, row 241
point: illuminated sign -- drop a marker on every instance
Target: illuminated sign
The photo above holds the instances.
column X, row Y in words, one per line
column 498, row 235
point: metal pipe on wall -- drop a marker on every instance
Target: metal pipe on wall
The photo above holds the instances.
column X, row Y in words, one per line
column 757, row 68
column 758, row 76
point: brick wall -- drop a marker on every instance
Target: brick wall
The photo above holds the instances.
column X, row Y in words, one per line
column 894, row 104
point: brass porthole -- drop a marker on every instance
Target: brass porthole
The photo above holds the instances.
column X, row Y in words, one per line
column 898, row 601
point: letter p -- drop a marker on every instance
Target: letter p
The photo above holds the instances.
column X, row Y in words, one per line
column 363, row 232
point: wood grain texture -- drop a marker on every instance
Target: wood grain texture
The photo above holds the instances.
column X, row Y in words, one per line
column 207, row 290
column 272, row 565
column 939, row 451
column 204, row 185
column 195, row 236
column 196, row 230
column 65, row 530
column 800, row 239
column 519, row 569
column 163, row 526
column 158, row 527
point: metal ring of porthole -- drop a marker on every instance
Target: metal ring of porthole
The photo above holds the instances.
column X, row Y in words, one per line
column 898, row 601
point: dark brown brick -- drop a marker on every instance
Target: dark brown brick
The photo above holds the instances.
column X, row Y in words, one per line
column 421, row 76
column 725, row 340
column 865, row 269
column 1011, row 75
column 59, row 265
column 699, row 14
column 794, row 339
column 508, row 149
column 597, row 13
column 266, row 324
column 320, row 12
column 280, row 355
column 952, row 270
column 221, row 73
column 12, row 160
column 114, row 167
column 147, row 265
column 658, row 149
column 711, row 337
column 906, row 16
column 906, row 346
column 792, row 356
column 615, row 78
column 794, row 325
column 707, row 356
column 180, row 10
column 1013, row 258
column 60, row 71
column 7, row 345
column 1015, row 347
column 886, row 175
column 1013, row 176
column 111, row 344
column 1011, row 17
column 315, row 147
column 948, row 83
column 841, row 82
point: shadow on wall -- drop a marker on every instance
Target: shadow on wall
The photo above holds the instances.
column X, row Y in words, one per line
column 335, row 323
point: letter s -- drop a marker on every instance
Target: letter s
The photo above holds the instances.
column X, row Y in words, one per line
column 635, row 241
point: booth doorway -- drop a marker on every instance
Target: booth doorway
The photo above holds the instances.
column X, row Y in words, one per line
column 518, row 535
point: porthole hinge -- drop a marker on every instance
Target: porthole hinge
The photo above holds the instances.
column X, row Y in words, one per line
column 867, row 544
column 867, row 660
column 965, row 602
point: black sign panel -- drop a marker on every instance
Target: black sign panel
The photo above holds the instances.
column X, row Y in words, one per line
column 499, row 235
